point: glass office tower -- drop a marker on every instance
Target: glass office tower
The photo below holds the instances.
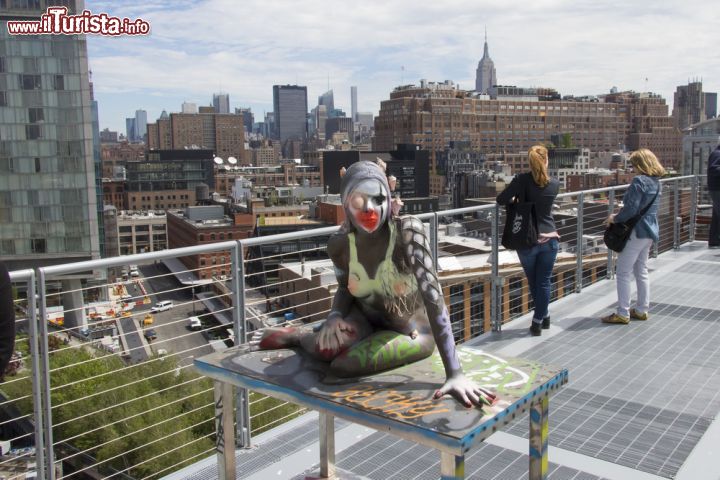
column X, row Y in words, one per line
column 48, row 203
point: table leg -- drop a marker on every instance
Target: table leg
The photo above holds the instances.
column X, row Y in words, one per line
column 224, row 430
column 327, row 445
column 539, row 438
column 452, row 467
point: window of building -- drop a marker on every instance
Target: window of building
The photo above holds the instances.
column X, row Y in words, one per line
column 32, row 132
column 38, row 245
column 2, row 64
column 3, row 99
column 36, row 115
column 30, row 82
column 212, row 237
column 59, row 82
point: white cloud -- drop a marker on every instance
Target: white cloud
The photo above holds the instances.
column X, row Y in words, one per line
column 243, row 48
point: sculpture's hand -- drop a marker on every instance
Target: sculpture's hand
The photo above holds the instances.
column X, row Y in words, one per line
column 465, row 391
column 335, row 335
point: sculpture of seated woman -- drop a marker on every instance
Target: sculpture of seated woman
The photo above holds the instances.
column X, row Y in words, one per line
column 388, row 309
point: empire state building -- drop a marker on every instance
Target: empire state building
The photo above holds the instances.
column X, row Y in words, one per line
column 485, row 73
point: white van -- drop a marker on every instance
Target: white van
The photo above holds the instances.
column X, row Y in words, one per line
column 194, row 323
column 162, row 306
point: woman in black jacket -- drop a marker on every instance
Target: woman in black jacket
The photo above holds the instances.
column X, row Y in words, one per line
column 537, row 187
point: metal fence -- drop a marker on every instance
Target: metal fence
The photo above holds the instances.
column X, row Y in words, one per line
column 104, row 383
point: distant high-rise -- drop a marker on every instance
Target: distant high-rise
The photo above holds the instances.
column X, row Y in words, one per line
column 290, row 112
column 710, row 105
column 248, row 118
column 353, row 103
column 485, row 73
column 327, row 99
column 224, row 134
column 221, row 102
column 130, row 129
column 140, row 125
column 689, row 105
column 189, row 107
column 48, row 203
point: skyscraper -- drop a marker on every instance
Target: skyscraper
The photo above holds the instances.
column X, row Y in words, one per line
column 130, row 129
column 48, row 206
column 221, row 102
column 328, row 99
column 353, row 103
column 140, row 125
column 485, row 73
column 689, row 105
column 290, row 112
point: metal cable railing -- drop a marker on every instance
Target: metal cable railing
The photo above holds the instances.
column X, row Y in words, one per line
column 103, row 372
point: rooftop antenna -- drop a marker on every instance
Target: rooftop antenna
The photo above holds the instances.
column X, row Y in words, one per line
column 328, row 89
column 402, row 74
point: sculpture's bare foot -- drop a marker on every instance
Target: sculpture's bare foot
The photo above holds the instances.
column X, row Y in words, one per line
column 273, row 338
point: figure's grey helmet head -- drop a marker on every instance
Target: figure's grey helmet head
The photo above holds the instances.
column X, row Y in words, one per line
column 365, row 195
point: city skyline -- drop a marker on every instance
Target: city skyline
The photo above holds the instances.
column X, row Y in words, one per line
column 579, row 48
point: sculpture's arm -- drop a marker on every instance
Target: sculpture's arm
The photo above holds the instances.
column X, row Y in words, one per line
column 417, row 250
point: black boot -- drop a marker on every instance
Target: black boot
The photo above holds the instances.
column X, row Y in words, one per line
column 535, row 330
column 546, row 322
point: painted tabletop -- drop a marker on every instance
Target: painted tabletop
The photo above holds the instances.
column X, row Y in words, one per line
column 398, row 401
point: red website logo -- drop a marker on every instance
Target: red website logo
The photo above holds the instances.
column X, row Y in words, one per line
column 56, row 21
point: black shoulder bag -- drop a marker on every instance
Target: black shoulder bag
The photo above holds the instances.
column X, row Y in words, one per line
column 617, row 234
column 520, row 230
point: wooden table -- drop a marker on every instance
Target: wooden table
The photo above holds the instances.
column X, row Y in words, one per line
column 398, row 402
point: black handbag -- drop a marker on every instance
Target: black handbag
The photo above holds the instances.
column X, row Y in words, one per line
column 617, row 234
column 520, row 230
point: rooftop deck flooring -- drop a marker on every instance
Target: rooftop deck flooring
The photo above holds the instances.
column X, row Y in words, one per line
column 641, row 403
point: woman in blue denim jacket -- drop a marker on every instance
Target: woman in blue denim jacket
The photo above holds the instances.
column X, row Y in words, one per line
column 644, row 190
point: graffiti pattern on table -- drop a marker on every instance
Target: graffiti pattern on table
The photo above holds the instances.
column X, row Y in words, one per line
column 391, row 402
column 493, row 372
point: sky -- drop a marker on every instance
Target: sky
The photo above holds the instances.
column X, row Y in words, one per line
column 244, row 47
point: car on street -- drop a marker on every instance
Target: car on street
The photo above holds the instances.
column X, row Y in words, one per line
column 194, row 323
column 162, row 306
column 150, row 335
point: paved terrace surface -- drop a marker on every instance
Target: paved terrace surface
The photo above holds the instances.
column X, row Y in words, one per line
column 641, row 403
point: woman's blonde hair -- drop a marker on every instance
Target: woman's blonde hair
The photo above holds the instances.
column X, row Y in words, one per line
column 645, row 162
column 538, row 157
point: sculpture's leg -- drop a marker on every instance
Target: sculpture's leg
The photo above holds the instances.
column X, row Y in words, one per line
column 383, row 350
column 452, row 467
column 224, row 430
column 539, row 438
column 327, row 445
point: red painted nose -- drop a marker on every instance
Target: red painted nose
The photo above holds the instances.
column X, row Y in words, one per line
column 368, row 219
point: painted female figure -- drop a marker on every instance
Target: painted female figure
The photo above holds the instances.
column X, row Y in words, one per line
column 388, row 295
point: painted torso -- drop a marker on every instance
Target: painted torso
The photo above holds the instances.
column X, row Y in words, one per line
column 391, row 293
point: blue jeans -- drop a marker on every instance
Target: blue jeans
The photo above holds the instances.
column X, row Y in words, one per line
column 538, row 264
column 714, row 234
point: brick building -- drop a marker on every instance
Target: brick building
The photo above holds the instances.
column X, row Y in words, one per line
column 205, row 225
column 224, row 134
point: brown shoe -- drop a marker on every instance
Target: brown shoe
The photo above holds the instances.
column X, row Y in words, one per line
column 615, row 318
column 635, row 315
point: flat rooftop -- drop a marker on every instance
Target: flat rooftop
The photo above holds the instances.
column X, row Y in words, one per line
column 643, row 400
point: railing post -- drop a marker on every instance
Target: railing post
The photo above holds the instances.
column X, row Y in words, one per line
column 44, row 367
column 579, row 243
column 434, row 239
column 609, row 274
column 693, row 206
column 495, row 281
column 242, row 403
column 36, row 380
column 677, row 219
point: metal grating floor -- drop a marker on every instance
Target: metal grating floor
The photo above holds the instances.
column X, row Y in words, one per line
column 385, row 457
